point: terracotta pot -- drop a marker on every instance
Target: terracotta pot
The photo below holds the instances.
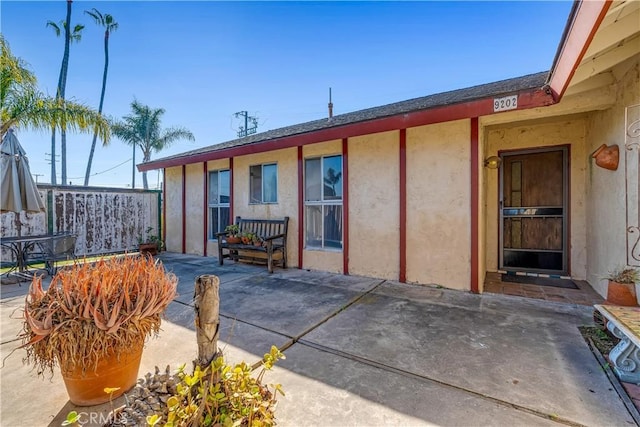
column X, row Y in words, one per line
column 607, row 157
column 233, row 239
column 622, row 294
column 88, row 389
column 148, row 248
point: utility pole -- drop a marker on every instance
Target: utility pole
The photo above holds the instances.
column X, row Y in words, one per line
column 50, row 160
column 246, row 130
column 133, row 169
column 37, row 175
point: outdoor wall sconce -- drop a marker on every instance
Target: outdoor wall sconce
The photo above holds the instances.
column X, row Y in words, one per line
column 492, row 162
column 607, row 157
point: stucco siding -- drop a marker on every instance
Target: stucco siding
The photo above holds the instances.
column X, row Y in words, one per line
column 438, row 209
column 287, row 197
column 374, row 205
column 555, row 132
column 316, row 259
column 194, row 202
column 173, row 208
column 606, row 222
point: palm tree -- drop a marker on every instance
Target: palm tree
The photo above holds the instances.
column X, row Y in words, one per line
column 109, row 25
column 142, row 129
column 62, row 85
column 22, row 105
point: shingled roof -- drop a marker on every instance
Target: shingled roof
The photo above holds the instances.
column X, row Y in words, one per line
column 489, row 90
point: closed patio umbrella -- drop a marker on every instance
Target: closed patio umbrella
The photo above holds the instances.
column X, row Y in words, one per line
column 18, row 192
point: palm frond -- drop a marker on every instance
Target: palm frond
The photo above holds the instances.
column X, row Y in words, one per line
column 31, row 109
column 96, row 15
column 57, row 28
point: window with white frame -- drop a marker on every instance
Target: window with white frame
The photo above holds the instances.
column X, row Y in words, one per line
column 263, row 183
column 219, row 195
column 323, row 202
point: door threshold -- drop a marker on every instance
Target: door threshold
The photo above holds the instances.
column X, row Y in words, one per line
column 531, row 274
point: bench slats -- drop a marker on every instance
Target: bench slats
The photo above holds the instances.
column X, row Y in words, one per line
column 273, row 231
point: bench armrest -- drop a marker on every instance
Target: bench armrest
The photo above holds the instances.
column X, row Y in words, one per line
column 220, row 235
column 275, row 236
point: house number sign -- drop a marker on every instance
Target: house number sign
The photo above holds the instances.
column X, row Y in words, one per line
column 505, row 103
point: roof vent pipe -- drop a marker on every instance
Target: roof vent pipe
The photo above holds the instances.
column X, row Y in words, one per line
column 330, row 105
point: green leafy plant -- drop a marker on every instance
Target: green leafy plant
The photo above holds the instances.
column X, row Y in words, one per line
column 73, row 418
column 151, row 239
column 225, row 395
column 247, row 237
column 625, row 275
column 232, row 230
column 154, row 419
column 257, row 240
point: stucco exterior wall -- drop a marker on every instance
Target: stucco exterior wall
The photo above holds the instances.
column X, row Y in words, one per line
column 173, row 208
column 212, row 242
column 287, row 204
column 556, row 132
column 194, row 202
column 374, row 175
column 319, row 259
column 606, row 222
column 438, row 209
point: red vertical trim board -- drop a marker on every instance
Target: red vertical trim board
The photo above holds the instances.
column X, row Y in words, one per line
column 184, row 209
column 300, row 209
column 345, row 206
column 403, row 206
column 231, row 198
column 164, row 205
column 205, row 220
column 475, row 172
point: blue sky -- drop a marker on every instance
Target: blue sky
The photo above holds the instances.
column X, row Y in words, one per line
column 203, row 61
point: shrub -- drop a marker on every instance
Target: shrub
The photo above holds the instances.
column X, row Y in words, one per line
column 224, row 395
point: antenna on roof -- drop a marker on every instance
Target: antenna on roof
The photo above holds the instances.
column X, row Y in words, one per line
column 330, row 105
column 246, row 129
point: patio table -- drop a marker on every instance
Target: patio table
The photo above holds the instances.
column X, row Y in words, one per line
column 22, row 246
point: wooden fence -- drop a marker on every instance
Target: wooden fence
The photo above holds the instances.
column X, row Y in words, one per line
column 106, row 220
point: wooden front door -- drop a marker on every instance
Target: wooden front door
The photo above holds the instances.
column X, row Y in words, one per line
column 533, row 211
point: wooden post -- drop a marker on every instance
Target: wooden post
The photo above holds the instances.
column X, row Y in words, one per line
column 207, row 307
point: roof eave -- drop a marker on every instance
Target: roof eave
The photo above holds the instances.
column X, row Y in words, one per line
column 527, row 98
column 583, row 23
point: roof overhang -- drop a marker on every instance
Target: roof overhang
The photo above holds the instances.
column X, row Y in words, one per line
column 582, row 25
column 530, row 98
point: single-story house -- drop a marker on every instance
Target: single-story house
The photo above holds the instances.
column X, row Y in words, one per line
column 445, row 188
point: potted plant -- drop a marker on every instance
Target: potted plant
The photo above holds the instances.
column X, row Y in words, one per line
column 152, row 244
column 622, row 286
column 257, row 240
column 232, row 233
column 93, row 320
column 247, row 238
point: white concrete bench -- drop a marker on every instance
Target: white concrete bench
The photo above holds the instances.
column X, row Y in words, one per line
column 624, row 323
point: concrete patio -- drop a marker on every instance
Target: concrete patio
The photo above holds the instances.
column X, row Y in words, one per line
column 363, row 351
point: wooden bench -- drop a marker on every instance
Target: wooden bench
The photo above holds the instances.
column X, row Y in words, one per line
column 624, row 323
column 272, row 231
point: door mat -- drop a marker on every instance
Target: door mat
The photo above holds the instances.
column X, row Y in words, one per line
column 541, row 281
